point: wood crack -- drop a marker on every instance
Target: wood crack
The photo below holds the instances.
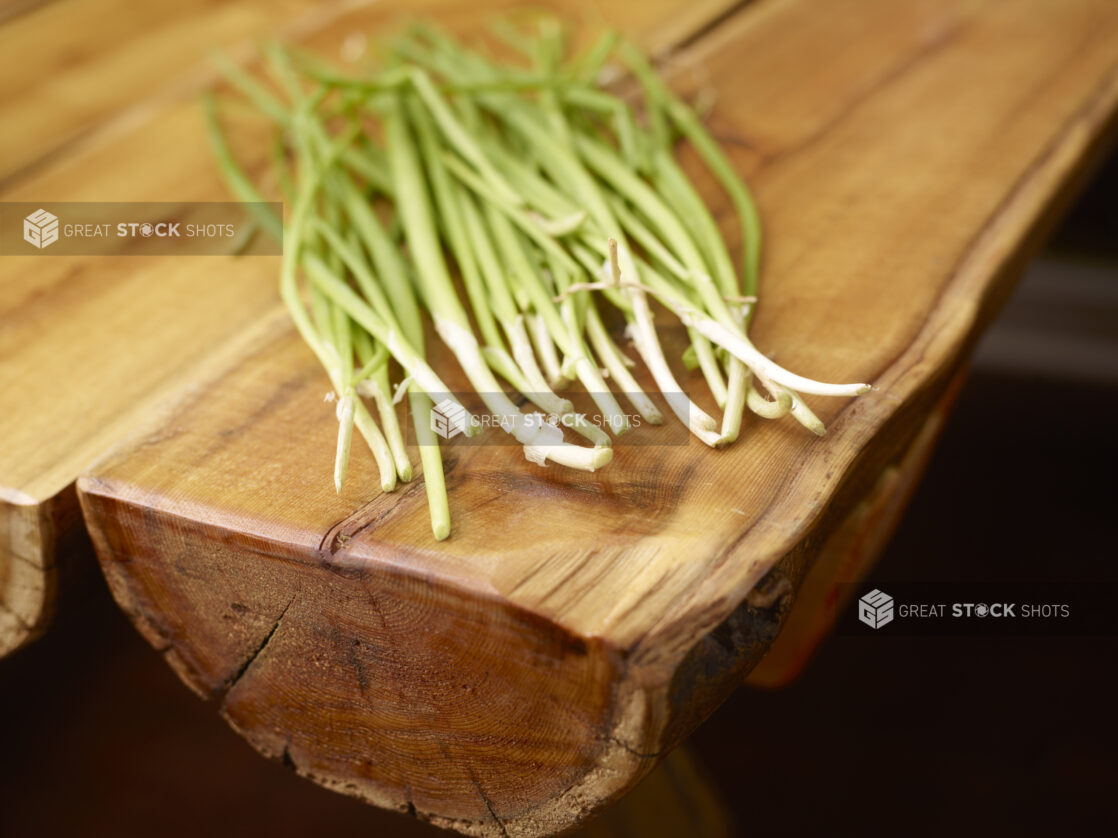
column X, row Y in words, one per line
column 336, row 536
column 709, row 27
column 488, row 803
column 631, row 750
column 19, row 557
column 229, row 683
column 286, row 760
column 409, row 803
column 22, row 622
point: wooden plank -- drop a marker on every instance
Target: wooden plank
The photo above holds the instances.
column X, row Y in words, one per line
column 135, row 331
column 576, row 627
column 70, row 65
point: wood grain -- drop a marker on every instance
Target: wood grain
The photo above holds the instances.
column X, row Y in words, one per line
column 72, row 65
column 521, row 675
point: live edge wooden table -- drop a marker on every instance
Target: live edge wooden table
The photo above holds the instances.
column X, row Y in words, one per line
column 907, row 158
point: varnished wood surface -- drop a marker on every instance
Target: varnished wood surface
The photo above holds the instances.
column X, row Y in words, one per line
column 100, row 104
column 70, row 65
column 904, row 155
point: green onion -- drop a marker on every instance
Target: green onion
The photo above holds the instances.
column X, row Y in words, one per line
column 547, row 196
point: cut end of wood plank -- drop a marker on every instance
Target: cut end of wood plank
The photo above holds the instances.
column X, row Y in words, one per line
column 38, row 542
column 25, row 583
column 396, row 686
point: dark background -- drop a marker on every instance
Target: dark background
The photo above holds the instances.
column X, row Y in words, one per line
column 928, row 735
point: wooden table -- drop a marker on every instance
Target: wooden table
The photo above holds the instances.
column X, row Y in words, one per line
column 906, row 157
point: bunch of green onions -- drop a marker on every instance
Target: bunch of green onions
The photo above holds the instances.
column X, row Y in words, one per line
column 553, row 201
